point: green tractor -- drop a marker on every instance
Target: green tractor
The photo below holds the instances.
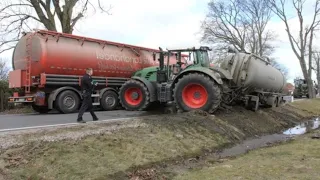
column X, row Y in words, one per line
column 301, row 88
column 193, row 87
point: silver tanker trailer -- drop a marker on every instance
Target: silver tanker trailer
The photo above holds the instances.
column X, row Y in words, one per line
column 251, row 79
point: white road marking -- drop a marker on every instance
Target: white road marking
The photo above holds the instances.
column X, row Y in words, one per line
column 66, row 124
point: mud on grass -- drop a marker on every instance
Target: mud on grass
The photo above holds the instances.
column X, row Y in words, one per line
column 264, row 121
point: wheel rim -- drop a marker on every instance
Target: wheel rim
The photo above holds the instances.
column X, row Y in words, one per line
column 194, row 95
column 69, row 102
column 110, row 101
column 133, row 96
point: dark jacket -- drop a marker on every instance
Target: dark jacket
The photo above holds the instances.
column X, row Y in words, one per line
column 86, row 85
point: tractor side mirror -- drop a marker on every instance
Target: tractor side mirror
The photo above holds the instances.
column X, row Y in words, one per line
column 154, row 56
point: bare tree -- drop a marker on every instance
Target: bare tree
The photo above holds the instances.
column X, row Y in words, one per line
column 17, row 16
column 4, row 70
column 218, row 53
column 224, row 24
column 258, row 14
column 239, row 23
column 316, row 67
column 301, row 46
column 284, row 70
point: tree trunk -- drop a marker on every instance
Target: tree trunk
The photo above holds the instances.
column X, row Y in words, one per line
column 318, row 73
column 318, row 88
column 307, row 77
column 1, row 100
column 310, row 88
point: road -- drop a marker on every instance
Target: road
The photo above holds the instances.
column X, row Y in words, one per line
column 9, row 122
column 12, row 122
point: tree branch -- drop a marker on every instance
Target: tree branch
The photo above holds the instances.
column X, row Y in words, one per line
column 14, row 5
column 19, row 16
column 103, row 10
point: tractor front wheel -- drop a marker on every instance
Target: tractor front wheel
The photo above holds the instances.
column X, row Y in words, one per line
column 197, row 92
column 134, row 96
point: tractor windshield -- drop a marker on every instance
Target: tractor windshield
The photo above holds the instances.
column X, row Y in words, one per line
column 300, row 81
column 203, row 58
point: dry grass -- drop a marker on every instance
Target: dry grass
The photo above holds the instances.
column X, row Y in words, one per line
column 97, row 157
column 307, row 106
column 298, row 159
column 23, row 110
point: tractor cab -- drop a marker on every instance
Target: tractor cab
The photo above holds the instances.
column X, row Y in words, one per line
column 299, row 82
column 301, row 88
column 200, row 56
column 196, row 57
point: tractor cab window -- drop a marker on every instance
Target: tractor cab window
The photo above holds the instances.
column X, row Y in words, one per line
column 191, row 59
column 203, row 58
column 300, row 82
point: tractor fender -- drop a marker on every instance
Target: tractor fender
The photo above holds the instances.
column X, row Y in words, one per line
column 214, row 75
column 53, row 95
column 102, row 91
column 225, row 74
column 151, row 88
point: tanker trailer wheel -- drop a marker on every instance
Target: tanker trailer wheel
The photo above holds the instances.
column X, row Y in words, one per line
column 40, row 109
column 109, row 100
column 197, row 92
column 67, row 102
column 134, row 96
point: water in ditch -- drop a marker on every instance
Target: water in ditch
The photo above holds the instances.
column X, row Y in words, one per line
column 268, row 140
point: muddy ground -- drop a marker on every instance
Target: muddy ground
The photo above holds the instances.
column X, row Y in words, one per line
column 156, row 147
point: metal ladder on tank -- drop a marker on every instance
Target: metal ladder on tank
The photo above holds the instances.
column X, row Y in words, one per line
column 28, row 61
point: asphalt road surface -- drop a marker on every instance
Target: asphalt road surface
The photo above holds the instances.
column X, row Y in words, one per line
column 8, row 122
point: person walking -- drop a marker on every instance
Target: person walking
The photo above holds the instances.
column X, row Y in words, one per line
column 87, row 86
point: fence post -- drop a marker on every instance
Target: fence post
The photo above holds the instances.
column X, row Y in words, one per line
column 1, row 100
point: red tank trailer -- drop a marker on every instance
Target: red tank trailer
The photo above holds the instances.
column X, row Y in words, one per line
column 49, row 66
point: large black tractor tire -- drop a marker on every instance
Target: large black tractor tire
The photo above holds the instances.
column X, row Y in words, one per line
column 67, row 102
column 109, row 100
column 134, row 96
column 40, row 109
column 197, row 92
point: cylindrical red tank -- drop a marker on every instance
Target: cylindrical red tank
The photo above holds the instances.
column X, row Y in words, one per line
column 66, row 54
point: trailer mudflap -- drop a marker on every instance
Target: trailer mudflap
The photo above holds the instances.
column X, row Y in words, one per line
column 252, row 102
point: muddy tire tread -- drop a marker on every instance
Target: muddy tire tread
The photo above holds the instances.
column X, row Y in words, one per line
column 215, row 101
column 144, row 89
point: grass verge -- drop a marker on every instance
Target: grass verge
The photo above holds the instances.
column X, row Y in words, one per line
column 298, row 159
column 126, row 152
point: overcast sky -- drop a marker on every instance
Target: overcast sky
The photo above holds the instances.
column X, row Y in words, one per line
column 168, row 23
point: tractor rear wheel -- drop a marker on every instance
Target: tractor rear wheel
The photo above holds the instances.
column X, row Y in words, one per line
column 134, row 96
column 197, row 92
